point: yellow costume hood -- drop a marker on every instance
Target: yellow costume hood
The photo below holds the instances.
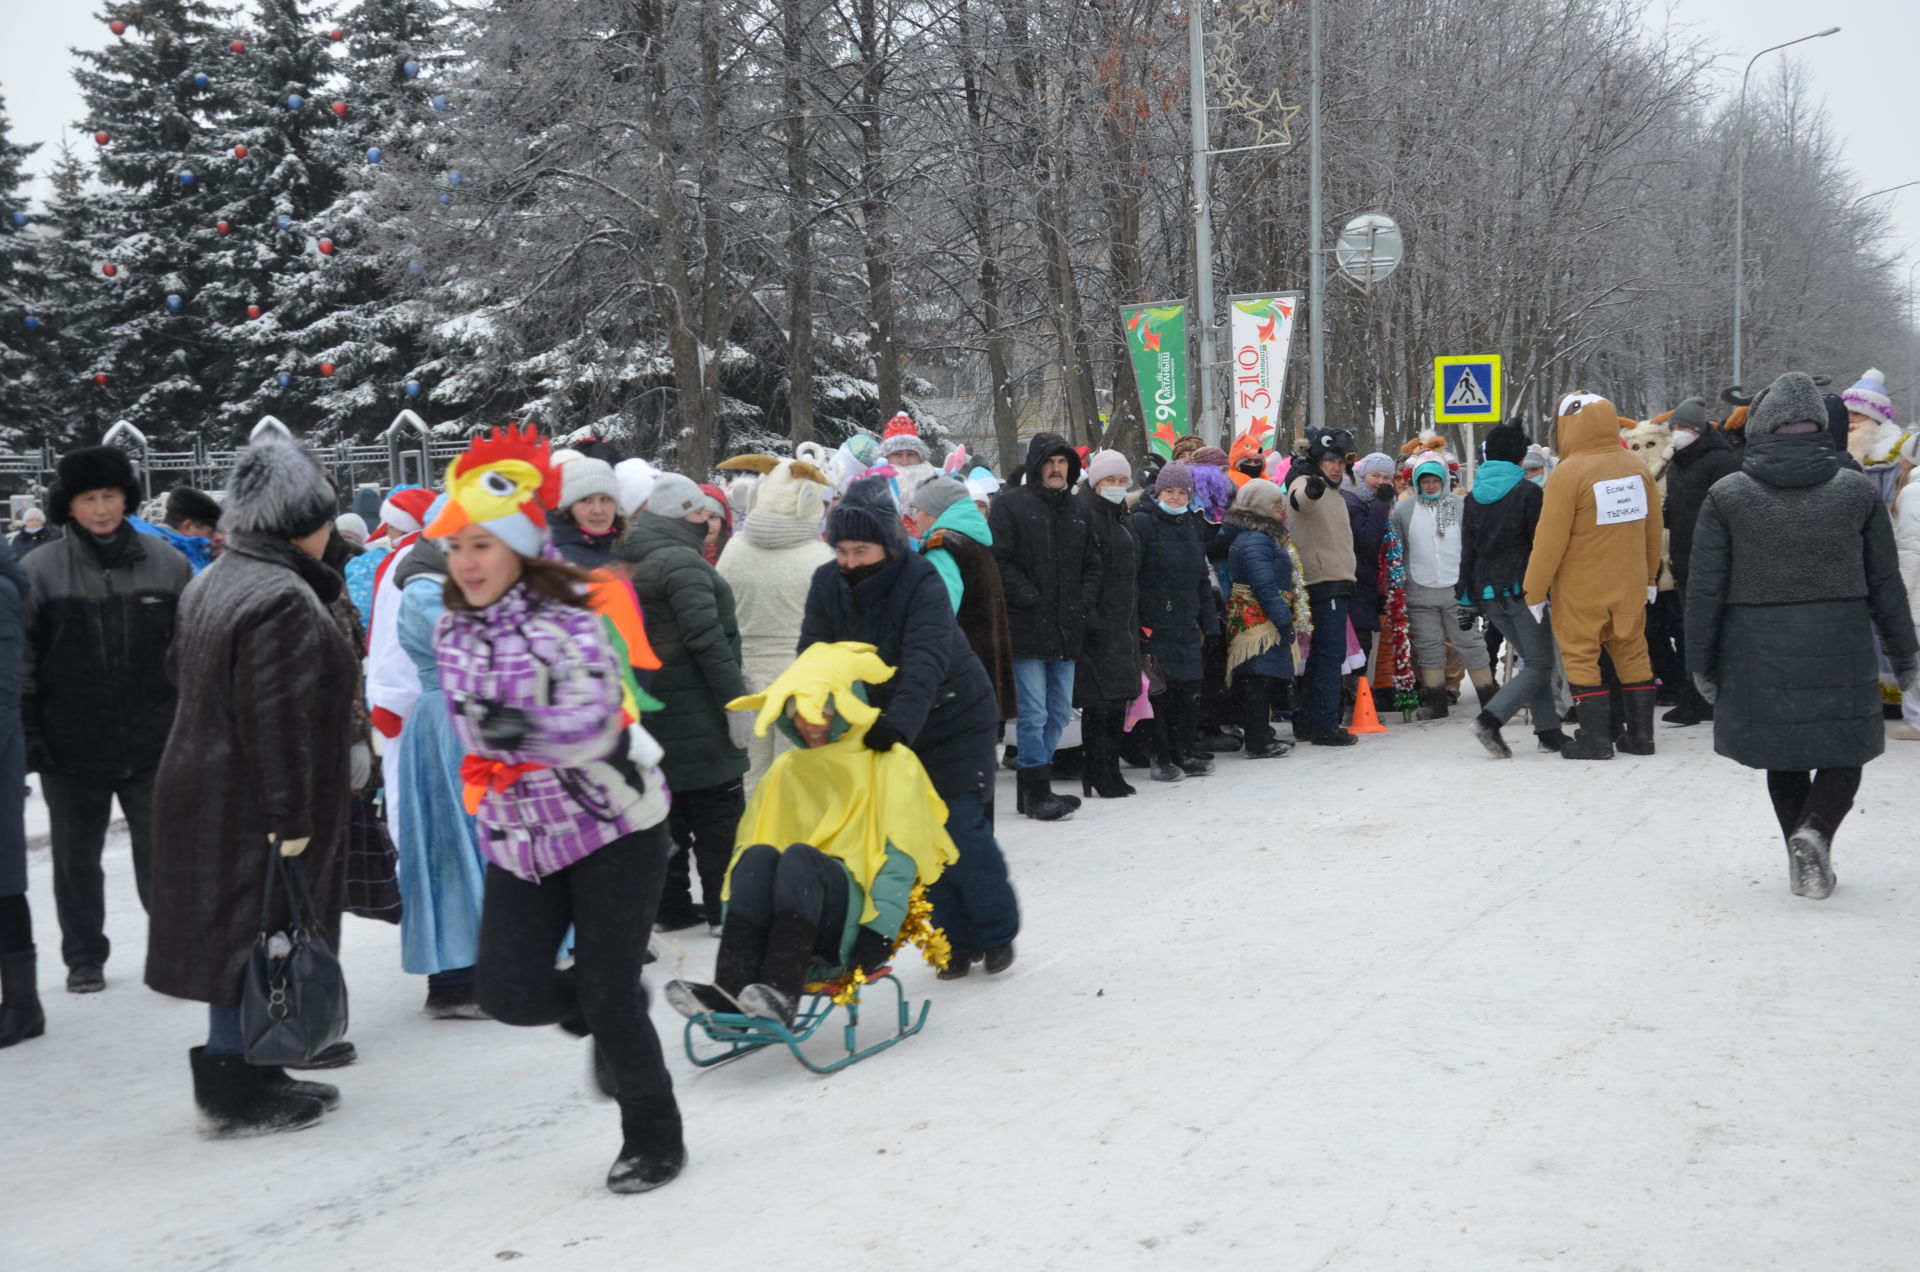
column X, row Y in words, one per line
column 844, row 799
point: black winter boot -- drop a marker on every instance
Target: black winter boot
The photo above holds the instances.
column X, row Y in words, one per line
column 236, row 1099
column 690, row 998
column 279, row 1079
column 1595, row 739
column 652, row 1149
column 1486, row 730
column 743, row 947
column 1641, row 700
column 1693, row 708
column 1552, row 741
column 1035, row 795
column 790, row 941
column 21, row 1017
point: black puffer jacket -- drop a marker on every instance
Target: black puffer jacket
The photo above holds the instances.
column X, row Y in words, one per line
column 939, row 698
column 1367, row 514
column 1109, row 668
column 1049, row 563
column 1496, row 539
column 1176, row 590
column 1794, row 569
column 1691, row 473
column 587, row 551
column 96, row 699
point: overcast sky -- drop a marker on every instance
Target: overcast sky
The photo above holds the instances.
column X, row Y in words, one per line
column 1861, row 72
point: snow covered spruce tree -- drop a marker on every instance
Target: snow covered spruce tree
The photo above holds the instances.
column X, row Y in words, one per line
column 158, row 99
column 355, row 308
column 28, row 359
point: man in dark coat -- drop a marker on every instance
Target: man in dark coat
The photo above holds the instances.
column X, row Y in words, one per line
column 21, row 1016
column 96, row 699
column 1321, row 532
column 688, row 609
column 1369, row 503
column 1702, row 455
column 1496, row 539
column 1050, row 569
column 1793, row 572
column 939, row 703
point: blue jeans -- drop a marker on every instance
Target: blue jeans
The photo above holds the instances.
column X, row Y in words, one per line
column 1045, row 688
column 1320, row 687
column 973, row 899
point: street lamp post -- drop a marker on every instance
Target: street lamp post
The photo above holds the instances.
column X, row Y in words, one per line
column 1740, row 192
column 1874, row 194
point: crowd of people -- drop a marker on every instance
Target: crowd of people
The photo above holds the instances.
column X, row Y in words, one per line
column 569, row 699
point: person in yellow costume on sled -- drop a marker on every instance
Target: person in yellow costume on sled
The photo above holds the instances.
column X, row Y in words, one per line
column 834, row 852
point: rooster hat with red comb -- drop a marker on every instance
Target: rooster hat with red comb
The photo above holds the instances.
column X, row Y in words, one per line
column 505, row 483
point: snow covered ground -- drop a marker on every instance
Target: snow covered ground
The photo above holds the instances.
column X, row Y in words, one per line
column 1397, row 1006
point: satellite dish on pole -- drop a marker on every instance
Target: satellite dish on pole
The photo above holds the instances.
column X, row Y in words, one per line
column 1369, row 249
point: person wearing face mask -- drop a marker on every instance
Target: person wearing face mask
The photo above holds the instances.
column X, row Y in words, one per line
column 1702, row 455
column 1050, row 568
column 1107, row 677
column 1429, row 525
column 879, row 592
column 1177, row 614
column 1537, row 464
column 588, row 522
column 692, row 627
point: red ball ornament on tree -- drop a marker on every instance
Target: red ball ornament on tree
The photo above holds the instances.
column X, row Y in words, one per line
column 117, row 27
column 100, row 378
column 238, row 46
column 326, row 368
column 337, row 34
column 254, row 311
column 239, row 152
column 101, row 138
column 109, row 269
column 326, row 247
column 221, row 226
column 340, row 109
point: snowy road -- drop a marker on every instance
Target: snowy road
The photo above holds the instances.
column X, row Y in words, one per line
column 1392, row 1007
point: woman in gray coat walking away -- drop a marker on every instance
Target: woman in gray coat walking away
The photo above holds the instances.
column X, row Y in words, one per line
column 1793, row 569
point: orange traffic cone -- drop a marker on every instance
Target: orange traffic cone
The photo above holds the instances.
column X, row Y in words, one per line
column 1365, row 718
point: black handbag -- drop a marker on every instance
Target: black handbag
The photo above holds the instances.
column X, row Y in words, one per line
column 373, row 884
column 293, row 1005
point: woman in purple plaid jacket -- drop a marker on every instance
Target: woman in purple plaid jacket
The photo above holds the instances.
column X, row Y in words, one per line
column 569, row 801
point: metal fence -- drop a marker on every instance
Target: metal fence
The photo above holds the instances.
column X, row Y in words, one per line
column 408, row 453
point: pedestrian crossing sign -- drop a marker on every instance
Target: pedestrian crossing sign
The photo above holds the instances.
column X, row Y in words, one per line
column 1466, row 389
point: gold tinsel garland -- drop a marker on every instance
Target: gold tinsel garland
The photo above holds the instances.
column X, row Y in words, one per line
column 917, row 930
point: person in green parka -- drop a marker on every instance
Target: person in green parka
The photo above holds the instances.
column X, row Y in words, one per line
column 688, row 609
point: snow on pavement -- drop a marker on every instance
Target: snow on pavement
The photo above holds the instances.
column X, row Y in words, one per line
column 1397, row 1006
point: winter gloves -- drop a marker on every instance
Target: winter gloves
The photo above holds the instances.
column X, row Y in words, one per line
column 1463, row 616
column 294, row 847
column 883, row 736
column 501, row 727
column 1907, row 676
column 740, row 728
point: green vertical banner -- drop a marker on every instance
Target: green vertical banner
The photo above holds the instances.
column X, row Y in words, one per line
column 1157, row 339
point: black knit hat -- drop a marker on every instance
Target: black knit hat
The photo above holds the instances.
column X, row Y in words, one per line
column 184, row 503
column 91, row 468
column 1507, row 442
column 867, row 513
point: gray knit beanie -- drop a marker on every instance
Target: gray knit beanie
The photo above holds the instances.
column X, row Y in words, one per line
column 937, row 495
column 674, row 496
column 1792, row 399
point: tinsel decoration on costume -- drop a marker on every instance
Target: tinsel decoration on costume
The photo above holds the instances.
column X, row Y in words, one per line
column 917, row 930
column 1393, row 585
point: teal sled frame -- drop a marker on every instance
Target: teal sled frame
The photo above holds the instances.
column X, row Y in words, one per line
column 740, row 1035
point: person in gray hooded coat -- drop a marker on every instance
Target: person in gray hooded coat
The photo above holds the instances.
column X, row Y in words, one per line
column 1793, row 568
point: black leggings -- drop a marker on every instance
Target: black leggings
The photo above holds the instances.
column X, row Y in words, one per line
column 1820, row 799
column 802, row 882
column 609, row 899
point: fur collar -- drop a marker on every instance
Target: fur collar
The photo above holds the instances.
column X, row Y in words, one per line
column 1247, row 519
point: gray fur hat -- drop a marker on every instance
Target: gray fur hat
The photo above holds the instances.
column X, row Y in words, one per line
column 279, row 490
column 1792, row 399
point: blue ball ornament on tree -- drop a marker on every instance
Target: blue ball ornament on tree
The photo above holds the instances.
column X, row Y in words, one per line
column 286, row 381
column 413, row 388
column 186, row 178
column 30, row 322
column 203, row 80
column 295, row 101
column 174, row 302
column 438, row 102
column 454, row 178
column 20, row 220
column 411, row 67
column 416, row 269
column 283, row 221
column 374, row 155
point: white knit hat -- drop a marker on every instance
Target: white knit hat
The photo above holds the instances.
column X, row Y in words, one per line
column 352, row 527
column 635, row 478
column 581, row 477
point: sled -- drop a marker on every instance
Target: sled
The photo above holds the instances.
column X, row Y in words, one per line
column 740, row 1035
